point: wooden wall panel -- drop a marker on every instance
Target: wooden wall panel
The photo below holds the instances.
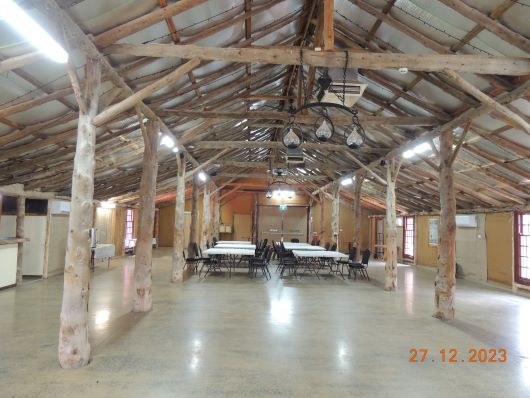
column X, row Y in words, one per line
column 425, row 254
column 166, row 224
column 499, row 239
column 118, row 228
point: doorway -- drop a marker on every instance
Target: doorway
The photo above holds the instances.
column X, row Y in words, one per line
column 408, row 238
column 283, row 222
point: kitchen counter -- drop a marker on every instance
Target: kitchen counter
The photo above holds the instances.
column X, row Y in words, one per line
column 11, row 241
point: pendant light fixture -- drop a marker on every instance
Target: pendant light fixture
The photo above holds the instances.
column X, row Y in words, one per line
column 324, row 130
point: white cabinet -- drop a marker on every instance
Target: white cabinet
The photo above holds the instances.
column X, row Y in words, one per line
column 8, row 265
column 35, row 231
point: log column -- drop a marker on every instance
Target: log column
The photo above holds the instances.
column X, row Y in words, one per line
column 216, row 214
column 310, row 217
column 206, row 220
column 21, row 213
column 335, row 214
column 321, row 232
column 74, row 348
column 194, row 225
column 143, row 300
column 392, row 171
column 178, row 261
column 445, row 278
column 357, row 212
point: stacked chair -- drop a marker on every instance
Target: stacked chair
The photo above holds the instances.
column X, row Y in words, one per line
column 360, row 267
column 286, row 259
column 191, row 262
column 261, row 262
column 350, row 261
column 211, row 264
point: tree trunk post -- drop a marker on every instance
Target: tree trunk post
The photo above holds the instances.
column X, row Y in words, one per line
column 255, row 219
column 357, row 212
column 194, row 225
column 217, row 214
column 143, row 300
column 21, row 213
column 310, row 218
column 74, row 347
column 321, row 232
column 205, row 231
column 445, row 278
column 178, row 261
column 335, row 214
column 391, row 226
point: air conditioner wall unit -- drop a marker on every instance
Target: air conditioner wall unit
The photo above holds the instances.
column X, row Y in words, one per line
column 353, row 91
column 466, row 221
column 60, row 207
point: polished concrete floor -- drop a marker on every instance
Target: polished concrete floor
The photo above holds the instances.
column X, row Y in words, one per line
column 241, row 337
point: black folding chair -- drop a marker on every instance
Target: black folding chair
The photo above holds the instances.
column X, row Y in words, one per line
column 261, row 263
column 287, row 261
column 360, row 267
column 352, row 256
column 191, row 262
column 212, row 264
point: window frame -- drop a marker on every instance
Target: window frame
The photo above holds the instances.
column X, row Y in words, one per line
column 518, row 216
column 405, row 219
column 127, row 239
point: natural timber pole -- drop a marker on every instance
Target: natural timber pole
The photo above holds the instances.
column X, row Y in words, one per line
column 391, row 225
column 21, row 213
column 310, row 217
column 357, row 212
column 194, row 225
column 178, row 261
column 74, row 348
column 445, row 278
column 205, row 231
column 216, row 214
column 143, row 300
column 321, row 232
column 335, row 210
column 255, row 219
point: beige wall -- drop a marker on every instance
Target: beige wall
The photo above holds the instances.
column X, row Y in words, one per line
column 485, row 252
column 58, row 236
column 103, row 223
column 499, row 238
column 346, row 221
column 425, row 254
column 471, row 252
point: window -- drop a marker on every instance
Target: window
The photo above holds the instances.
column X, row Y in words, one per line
column 408, row 238
column 129, row 228
column 522, row 248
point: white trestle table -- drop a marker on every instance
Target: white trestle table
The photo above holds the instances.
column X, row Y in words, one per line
column 314, row 261
column 304, row 246
column 229, row 254
column 243, row 242
column 235, row 246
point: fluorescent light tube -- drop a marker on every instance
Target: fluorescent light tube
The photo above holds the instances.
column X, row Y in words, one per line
column 19, row 20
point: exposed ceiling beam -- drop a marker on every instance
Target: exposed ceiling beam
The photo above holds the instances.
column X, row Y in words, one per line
column 140, row 23
column 481, row 64
column 276, row 144
column 494, row 26
column 488, row 101
column 19, row 61
column 305, row 119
